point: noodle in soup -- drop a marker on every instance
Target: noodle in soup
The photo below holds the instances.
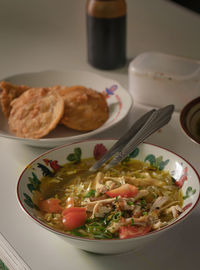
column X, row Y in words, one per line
column 129, row 200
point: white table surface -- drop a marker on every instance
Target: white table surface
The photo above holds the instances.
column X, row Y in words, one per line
column 39, row 35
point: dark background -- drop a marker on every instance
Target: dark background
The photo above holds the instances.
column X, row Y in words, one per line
column 193, row 5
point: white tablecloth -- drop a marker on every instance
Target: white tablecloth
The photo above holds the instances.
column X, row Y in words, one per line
column 39, row 35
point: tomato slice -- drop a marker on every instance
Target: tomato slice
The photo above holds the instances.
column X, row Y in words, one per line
column 126, row 190
column 73, row 209
column 133, row 231
column 74, row 217
column 50, row 205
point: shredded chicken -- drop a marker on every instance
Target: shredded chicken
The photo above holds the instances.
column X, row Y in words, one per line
column 90, row 205
column 99, row 186
column 110, row 185
column 114, row 227
column 153, row 216
column 142, row 193
column 168, row 206
column 175, row 210
column 159, row 225
column 120, row 180
column 159, row 202
column 100, row 210
column 137, row 211
column 126, row 204
column 141, row 221
column 146, row 181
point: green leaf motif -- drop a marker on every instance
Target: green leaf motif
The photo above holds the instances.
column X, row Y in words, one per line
column 45, row 170
column 158, row 162
column 30, row 187
column 71, row 157
column 151, row 159
column 134, row 153
column 34, row 183
column 78, row 151
column 163, row 164
column 131, row 155
column 3, row 266
column 29, row 201
column 189, row 192
column 76, row 156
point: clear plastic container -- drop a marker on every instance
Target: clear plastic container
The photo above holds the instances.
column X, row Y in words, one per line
column 158, row 79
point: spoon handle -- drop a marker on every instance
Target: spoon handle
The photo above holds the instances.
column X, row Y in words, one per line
column 157, row 119
column 123, row 140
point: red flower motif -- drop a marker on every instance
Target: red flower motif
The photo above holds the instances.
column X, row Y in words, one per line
column 183, row 178
column 53, row 163
column 46, row 160
column 187, row 206
column 99, row 151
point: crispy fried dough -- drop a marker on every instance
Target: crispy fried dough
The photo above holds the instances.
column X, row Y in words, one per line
column 8, row 94
column 35, row 113
column 85, row 109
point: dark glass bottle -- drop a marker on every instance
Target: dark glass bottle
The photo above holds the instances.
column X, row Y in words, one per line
column 106, row 33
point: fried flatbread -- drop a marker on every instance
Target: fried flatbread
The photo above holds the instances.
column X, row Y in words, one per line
column 85, row 109
column 8, row 93
column 35, row 113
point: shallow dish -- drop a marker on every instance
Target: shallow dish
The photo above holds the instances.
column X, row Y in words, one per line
column 190, row 119
column 118, row 99
column 181, row 170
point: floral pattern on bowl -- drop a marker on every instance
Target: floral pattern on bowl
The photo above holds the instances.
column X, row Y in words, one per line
column 51, row 166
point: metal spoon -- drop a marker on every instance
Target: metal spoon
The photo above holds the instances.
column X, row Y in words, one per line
column 142, row 129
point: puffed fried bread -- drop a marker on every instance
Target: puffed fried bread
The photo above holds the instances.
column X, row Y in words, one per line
column 8, row 93
column 85, row 108
column 35, row 113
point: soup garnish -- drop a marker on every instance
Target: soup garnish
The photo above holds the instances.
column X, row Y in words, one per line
column 129, row 200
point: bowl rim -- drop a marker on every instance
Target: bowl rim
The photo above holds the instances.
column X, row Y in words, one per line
column 183, row 117
column 78, row 238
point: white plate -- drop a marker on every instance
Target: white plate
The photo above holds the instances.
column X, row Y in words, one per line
column 119, row 102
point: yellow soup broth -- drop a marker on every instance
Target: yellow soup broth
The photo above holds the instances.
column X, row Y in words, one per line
column 127, row 198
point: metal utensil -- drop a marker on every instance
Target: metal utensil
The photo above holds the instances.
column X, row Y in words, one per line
column 141, row 129
column 123, row 140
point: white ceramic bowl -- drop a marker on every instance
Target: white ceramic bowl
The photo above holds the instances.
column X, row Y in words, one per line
column 164, row 158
